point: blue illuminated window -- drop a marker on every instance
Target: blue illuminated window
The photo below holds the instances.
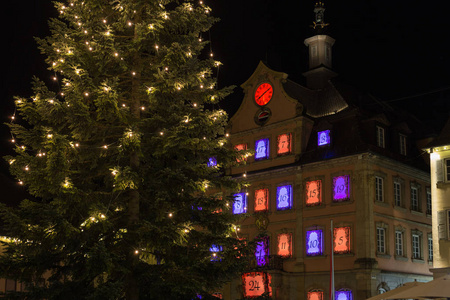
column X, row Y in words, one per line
column 212, row 162
column 314, row 242
column 240, row 203
column 262, row 149
column 284, row 197
column 215, row 249
column 262, row 252
column 323, row 138
column 343, row 295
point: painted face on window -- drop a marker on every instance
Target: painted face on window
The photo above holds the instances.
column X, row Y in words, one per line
column 283, row 198
column 260, row 149
column 239, row 204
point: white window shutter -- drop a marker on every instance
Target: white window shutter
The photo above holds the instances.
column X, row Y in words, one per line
column 439, row 171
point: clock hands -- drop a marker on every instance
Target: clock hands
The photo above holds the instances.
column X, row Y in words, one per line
column 263, row 93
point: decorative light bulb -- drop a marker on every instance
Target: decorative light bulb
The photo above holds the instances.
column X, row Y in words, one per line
column 86, row 94
column 105, row 147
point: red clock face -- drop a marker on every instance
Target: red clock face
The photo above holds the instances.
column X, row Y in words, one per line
column 263, row 94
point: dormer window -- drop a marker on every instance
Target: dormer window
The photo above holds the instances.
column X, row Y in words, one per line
column 402, row 143
column 380, row 137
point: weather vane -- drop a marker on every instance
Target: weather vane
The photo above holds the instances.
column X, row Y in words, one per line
column 319, row 22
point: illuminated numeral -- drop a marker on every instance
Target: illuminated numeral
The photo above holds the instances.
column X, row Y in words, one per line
column 254, row 285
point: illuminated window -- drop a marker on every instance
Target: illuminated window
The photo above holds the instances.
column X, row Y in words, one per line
column 343, row 295
column 313, row 192
column 240, row 203
column 284, row 144
column 379, row 189
column 284, row 197
column 314, row 242
column 261, row 200
column 285, row 244
column 241, row 147
column 341, row 240
column 255, row 284
column 315, row 295
column 215, row 249
column 380, row 137
column 323, row 138
column 262, row 149
column 262, row 252
column 341, row 188
column 212, row 162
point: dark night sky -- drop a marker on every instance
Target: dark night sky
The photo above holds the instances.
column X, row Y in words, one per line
column 392, row 48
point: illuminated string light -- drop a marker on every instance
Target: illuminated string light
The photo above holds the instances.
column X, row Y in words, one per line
column 170, row 215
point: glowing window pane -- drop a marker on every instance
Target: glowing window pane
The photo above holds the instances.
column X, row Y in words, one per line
column 285, row 244
column 323, row 138
column 315, row 295
column 314, row 242
column 341, row 188
column 313, row 192
column 342, row 240
column 284, row 197
column 284, row 144
column 261, row 200
column 212, row 162
column 240, row 203
column 262, row 252
column 343, row 295
column 215, row 249
column 262, row 149
column 241, row 147
column 255, row 284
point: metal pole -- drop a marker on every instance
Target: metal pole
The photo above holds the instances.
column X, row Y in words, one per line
column 332, row 262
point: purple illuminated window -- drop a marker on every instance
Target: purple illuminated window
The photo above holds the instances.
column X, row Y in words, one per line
column 240, row 203
column 343, row 295
column 284, row 197
column 323, row 138
column 262, row 149
column 215, row 249
column 212, row 162
column 262, row 252
column 341, row 188
column 314, row 242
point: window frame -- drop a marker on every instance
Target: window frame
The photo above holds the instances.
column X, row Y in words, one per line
column 402, row 231
column 399, row 243
column 381, row 240
column 429, row 201
column 379, row 189
column 430, row 247
column 415, row 187
column 402, row 144
column 416, row 245
column 381, row 137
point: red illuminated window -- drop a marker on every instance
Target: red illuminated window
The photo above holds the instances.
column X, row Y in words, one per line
column 315, row 295
column 241, row 147
column 255, row 284
column 284, row 144
column 341, row 240
column 261, row 200
column 313, row 192
column 285, row 244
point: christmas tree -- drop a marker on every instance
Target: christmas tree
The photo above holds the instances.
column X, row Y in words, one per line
column 126, row 161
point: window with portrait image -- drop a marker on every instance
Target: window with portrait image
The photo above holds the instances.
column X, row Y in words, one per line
column 284, row 142
column 262, row 149
column 315, row 295
column 261, row 200
column 284, row 197
column 241, row 147
column 313, row 192
column 341, row 240
column 343, row 294
column 341, row 188
column 323, row 138
column 285, row 245
column 240, row 203
column 262, row 252
column 314, row 242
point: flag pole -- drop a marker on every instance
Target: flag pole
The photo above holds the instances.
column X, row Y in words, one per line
column 332, row 263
